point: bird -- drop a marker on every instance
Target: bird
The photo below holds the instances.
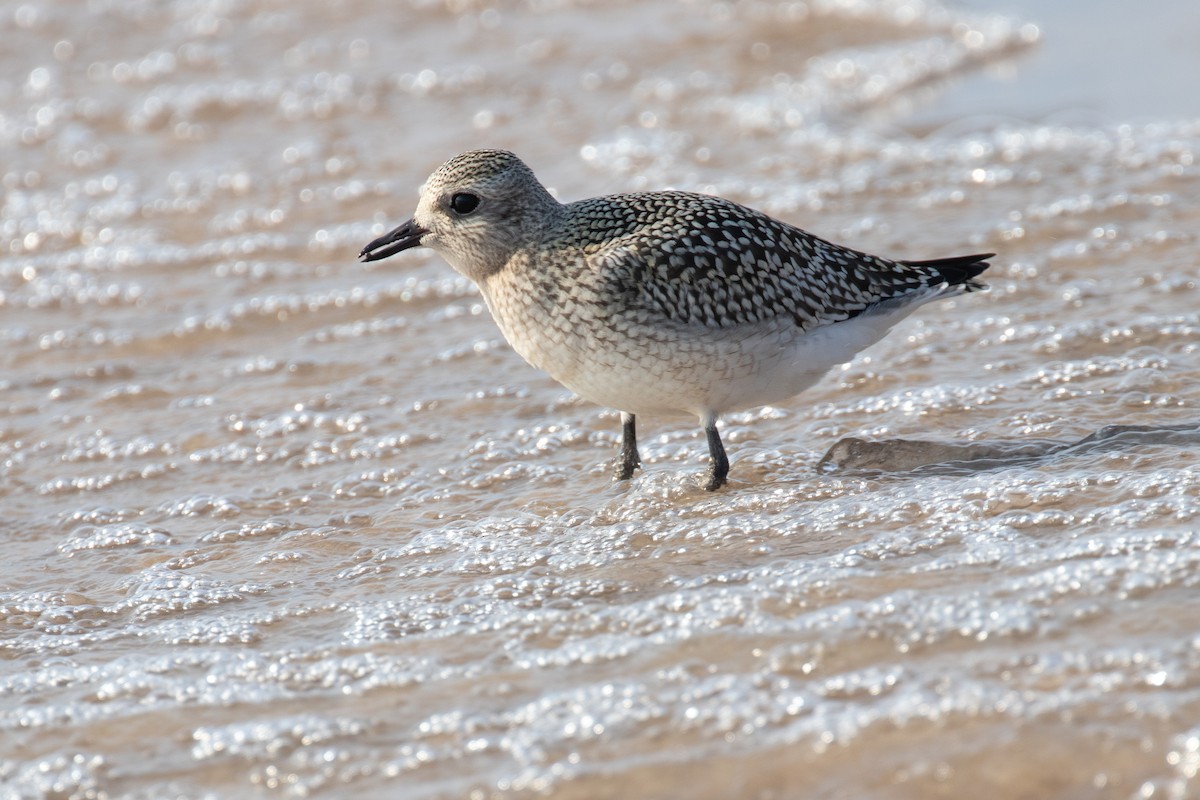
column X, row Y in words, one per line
column 662, row 302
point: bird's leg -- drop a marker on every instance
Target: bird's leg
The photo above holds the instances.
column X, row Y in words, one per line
column 720, row 462
column 630, row 460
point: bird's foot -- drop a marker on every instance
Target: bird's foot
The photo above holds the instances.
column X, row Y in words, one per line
column 629, row 460
column 714, row 482
column 720, row 462
column 625, row 469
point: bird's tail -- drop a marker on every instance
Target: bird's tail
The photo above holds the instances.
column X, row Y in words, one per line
column 956, row 270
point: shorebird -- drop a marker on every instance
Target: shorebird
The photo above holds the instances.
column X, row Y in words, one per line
column 662, row 302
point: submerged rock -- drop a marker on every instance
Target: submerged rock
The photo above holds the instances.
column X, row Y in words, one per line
column 904, row 455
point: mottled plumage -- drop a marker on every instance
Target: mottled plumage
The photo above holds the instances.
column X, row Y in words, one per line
column 657, row 302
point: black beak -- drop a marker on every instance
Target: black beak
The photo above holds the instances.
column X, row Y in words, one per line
column 407, row 235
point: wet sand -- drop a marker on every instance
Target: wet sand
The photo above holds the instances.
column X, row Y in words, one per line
column 279, row 524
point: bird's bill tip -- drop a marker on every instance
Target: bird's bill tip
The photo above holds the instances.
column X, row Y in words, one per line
column 401, row 238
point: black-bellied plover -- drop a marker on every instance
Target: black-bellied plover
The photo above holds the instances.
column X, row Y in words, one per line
column 657, row 302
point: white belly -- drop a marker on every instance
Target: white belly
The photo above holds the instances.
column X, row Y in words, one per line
column 664, row 367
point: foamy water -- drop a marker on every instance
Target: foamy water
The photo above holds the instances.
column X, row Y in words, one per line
column 280, row 524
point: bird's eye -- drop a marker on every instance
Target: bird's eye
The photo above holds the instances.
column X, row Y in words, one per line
column 464, row 203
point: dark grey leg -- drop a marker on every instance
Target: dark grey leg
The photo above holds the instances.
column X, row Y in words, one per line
column 630, row 460
column 720, row 462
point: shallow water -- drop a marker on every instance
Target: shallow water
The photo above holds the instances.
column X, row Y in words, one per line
column 280, row 524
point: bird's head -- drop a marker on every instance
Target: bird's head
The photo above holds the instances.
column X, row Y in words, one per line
column 476, row 211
